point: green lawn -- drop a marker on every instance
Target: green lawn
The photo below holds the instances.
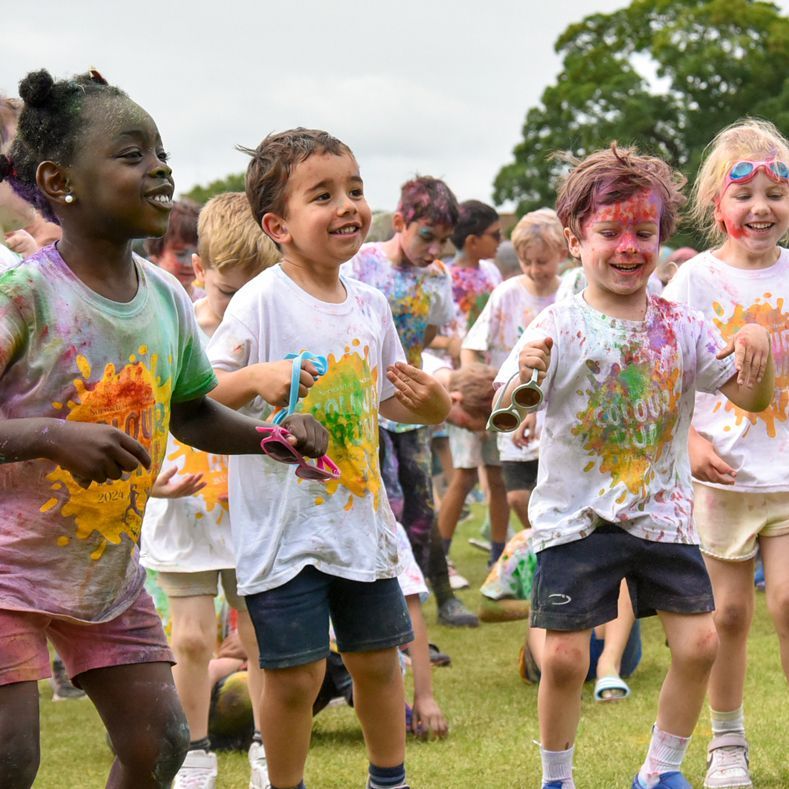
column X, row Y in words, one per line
column 492, row 715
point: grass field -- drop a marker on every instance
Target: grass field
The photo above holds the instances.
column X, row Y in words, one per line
column 492, row 716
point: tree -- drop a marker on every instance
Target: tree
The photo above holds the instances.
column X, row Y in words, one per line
column 230, row 183
column 666, row 75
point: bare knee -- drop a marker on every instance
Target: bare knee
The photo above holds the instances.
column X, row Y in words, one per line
column 295, row 687
column 373, row 668
column 20, row 756
column 778, row 606
column 697, row 653
column 192, row 644
column 565, row 661
column 733, row 618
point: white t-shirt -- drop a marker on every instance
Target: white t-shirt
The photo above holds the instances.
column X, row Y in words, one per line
column 281, row 523
column 190, row 534
column 510, row 309
column 619, row 399
column 756, row 445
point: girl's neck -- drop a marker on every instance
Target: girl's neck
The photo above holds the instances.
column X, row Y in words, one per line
column 103, row 266
column 321, row 282
column 464, row 260
column 738, row 256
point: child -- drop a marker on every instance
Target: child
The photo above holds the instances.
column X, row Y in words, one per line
column 173, row 251
column 539, row 243
column 186, row 531
column 739, row 459
column 306, row 550
column 98, row 353
column 619, row 369
column 476, row 237
column 417, row 285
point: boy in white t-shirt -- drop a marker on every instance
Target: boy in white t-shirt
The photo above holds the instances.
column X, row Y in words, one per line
column 186, row 529
column 540, row 246
column 619, row 369
column 307, row 550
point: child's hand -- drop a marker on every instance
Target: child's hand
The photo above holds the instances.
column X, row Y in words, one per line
column 751, row 347
column 308, row 435
column 524, row 433
column 535, row 355
column 272, row 380
column 419, row 392
column 95, row 453
column 705, row 463
column 164, row 488
column 427, row 719
column 21, row 242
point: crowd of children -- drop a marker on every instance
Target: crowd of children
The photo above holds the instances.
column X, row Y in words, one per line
column 249, row 419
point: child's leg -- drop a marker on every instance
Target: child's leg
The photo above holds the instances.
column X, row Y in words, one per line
column 775, row 554
column 20, row 752
column 140, row 708
column 499, row 510
column 246, row 632
column 193, row 642
column 518, row 500
column 463, row 480
column 693, row 643
column 379, row 701
column 565, row 661
column 732, row 583
column 617, row 634
column 286, row 719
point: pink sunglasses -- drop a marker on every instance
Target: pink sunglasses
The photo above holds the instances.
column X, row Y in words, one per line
column 276, row 445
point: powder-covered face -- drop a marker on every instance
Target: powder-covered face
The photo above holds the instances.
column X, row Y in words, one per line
column 540, row 265
column 176, row 258
column 620, row 244
column 421, row 241
column 755, row 214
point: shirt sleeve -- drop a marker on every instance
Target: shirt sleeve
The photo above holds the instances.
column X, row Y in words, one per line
column 391, row 350
column 443, row 309
column 13, row 332
column 234, row 344
column 195, row 375
column 711, row 372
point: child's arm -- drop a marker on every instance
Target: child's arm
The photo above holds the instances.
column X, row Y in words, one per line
column 705, row 463
column 427, row 718
column 418, row 397
column 164, row 487
column 205, row 424
column 535, row 354
column 753, row 386
column 91, row 452
column 467, row 356
column 269, row 380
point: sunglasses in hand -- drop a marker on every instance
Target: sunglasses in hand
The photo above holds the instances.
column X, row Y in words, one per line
column 275, row 444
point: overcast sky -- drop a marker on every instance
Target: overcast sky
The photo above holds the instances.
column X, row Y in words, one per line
column 437, row 87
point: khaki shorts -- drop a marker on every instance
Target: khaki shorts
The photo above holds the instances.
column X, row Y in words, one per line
column 470, row 450
column 730, row 522
column 203, row 583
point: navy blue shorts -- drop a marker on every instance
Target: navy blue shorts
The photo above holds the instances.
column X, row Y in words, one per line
column 292, row 621
column 577, row 584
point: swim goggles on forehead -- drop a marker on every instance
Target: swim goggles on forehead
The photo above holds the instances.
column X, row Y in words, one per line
column 275, row 438
column 525, row 398
column 743, row 171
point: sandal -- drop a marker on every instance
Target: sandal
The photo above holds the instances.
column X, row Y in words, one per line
column 611, row 689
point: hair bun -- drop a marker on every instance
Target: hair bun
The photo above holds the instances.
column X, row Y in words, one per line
column 36, row 88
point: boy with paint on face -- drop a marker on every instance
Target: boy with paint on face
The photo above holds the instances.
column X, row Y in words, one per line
column 406, row 269
column 619, row 369
column 308, row 550
column 173, row 251
column 186, row 535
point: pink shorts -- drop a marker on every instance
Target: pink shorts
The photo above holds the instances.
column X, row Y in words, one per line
column 136, row 636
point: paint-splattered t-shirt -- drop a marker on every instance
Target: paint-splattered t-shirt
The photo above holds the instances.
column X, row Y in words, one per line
column 756, row 445
column 418, row 297
column 190, row 534
column 471, row 289
column 619, row 397
column 574, row 281
column 281, row 523
column 68, row 353
column 510, row 309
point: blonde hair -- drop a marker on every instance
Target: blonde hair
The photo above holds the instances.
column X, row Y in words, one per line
column 540, row 227
column 746, row 139
column 229, row 237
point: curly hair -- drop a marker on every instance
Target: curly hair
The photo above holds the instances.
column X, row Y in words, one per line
column 612, row 175
column 49, row 129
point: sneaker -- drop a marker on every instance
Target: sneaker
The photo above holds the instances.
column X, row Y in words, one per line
column 399, row 786
column 670, row 780
column 258, row 776
column 62, row 689
column 197, row 772
column 454, row 614
column 456, row 580
column 727, row 762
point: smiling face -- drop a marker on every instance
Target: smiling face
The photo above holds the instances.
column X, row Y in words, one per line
column 326, row 216
column 421, row 241
column 540, row 266
column 119, row 178
column 755, row 216
column 619, row 248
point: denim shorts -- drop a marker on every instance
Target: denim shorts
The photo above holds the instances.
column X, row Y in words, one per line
column 519, row 474
column 292, row 621
column 577, row 584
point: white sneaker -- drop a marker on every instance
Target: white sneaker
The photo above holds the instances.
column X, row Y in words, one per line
column 197, row 772
column 456, row 580
column 727, row 763
column 258, row 768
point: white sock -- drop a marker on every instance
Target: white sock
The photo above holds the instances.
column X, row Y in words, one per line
column 728, row 722
column 666, row 752
column 558, row 766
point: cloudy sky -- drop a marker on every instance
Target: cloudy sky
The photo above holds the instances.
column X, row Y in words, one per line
column 432, row 87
